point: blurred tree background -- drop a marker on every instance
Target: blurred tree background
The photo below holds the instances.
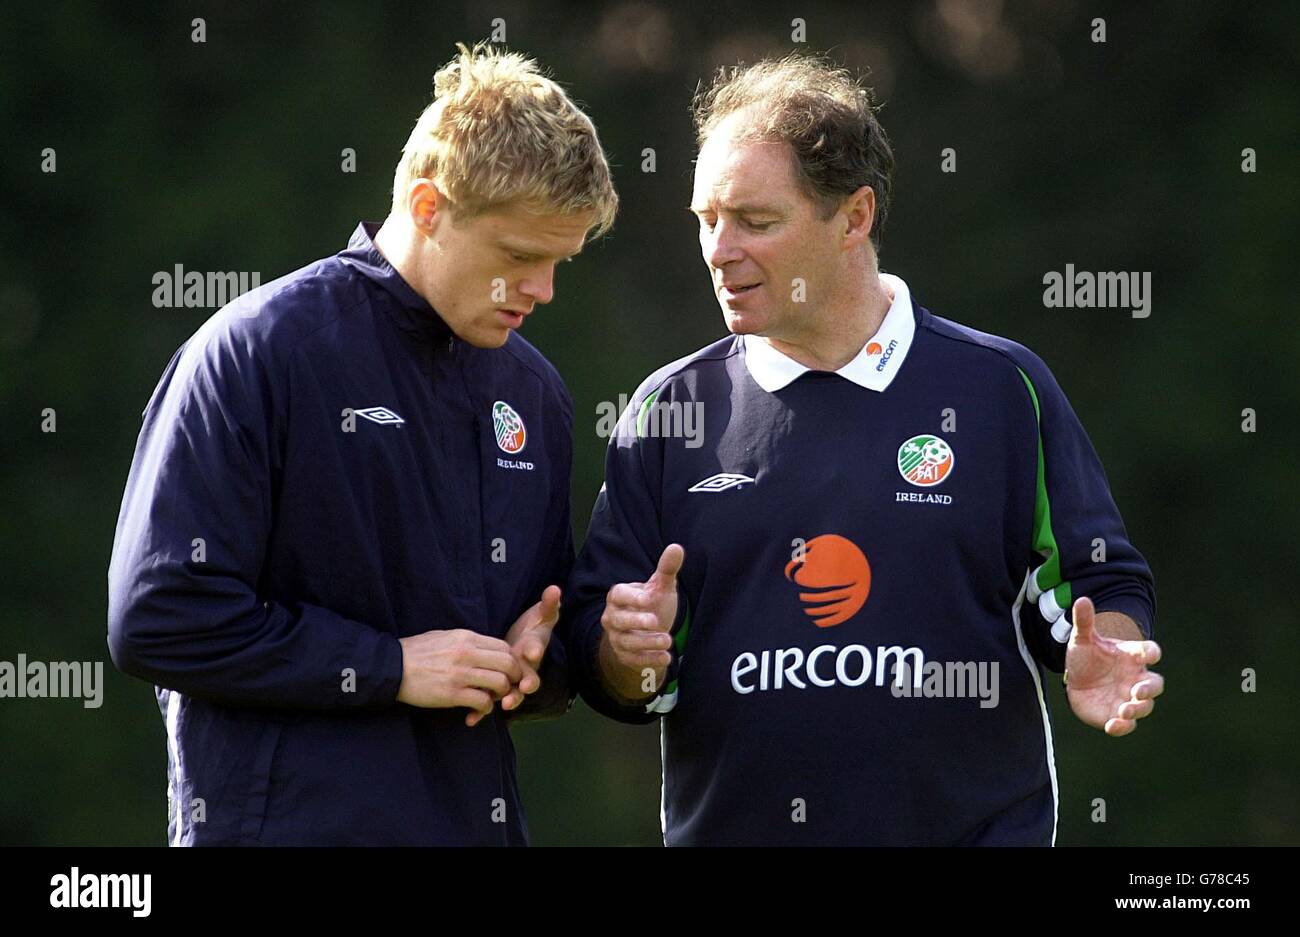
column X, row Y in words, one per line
column 1122, row 155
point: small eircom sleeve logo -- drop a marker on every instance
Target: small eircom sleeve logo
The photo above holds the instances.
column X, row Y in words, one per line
column 509, row 428
column 925, row 460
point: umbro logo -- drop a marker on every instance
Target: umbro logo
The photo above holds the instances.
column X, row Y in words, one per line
column 380, row 415
column 721, row 482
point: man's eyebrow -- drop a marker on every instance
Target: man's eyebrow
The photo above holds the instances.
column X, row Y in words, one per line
column 536, row 252
column 739, row 208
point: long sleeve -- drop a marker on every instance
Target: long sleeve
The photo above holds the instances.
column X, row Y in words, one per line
column 186, row 610
column 555, row 696
column 1081, row 546
column 623, row 544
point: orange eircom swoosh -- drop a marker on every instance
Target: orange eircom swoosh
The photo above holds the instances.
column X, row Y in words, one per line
column 837, row 575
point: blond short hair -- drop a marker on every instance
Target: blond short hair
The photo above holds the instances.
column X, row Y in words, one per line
column 500, row 133
column 826, row 115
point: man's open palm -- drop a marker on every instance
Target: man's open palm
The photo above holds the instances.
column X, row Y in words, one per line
column 1109, row 686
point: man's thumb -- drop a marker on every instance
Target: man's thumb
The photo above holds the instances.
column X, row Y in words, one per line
column 550, row 610
column 1082, row 616
column 670, row 564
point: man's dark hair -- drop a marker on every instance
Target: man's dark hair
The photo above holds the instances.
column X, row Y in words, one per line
column 825, row 114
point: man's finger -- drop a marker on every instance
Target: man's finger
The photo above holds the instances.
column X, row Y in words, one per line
column 502, row 661
column 531, row 651
column 1082, row 617
column 628, row 622
column 479, row 703
column 529, row 681
column 654, row 659
column 550, row 605
column 1151, row 686
column 623, row 621
column 1150, row 652
column 635, row 641
column 631, row 595
column 1119, row 727
column 484, row 642
column 1136, row 710
column 494, row 681
column 670, row 564
column 478, row 700
column 531, row 643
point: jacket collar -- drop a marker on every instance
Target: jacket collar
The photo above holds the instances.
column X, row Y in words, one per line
column 410, row 311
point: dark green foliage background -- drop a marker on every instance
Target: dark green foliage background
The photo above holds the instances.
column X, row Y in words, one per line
column 1117, row 156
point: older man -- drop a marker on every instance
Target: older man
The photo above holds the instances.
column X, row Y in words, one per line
column 842, row 603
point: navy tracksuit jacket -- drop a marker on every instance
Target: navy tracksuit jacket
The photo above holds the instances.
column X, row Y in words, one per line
column 323, row 469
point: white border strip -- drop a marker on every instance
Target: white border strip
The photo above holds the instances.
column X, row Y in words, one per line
column 175, row 784
column 1042, row 702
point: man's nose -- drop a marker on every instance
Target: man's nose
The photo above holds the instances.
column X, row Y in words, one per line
column 540, row 288
column 721, row 245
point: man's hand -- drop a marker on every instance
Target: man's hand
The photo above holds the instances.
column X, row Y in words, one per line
column 528, row 638
column 444, row 669
column 1109, row 685
column 637, row 619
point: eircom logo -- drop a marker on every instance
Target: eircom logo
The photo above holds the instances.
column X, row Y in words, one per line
column 836, row 579
column 835, row 574
column 889, row 353
column 843, row 666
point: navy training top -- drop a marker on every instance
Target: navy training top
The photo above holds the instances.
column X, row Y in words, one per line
column 879, row 567
column 323, row 469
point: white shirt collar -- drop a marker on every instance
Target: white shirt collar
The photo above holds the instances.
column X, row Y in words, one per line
column 874, row 366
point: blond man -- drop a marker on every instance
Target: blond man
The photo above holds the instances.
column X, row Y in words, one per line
column 341, row 546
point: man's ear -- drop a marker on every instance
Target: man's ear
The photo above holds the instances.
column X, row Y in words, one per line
column 859, row 214
column 426, row 205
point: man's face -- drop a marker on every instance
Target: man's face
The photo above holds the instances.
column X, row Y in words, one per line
column 485, row 274
column 759, row 234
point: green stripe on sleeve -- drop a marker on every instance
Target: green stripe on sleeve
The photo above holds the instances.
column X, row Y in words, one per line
column 1048, row 576
column 645, row 410
column 679, row 644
